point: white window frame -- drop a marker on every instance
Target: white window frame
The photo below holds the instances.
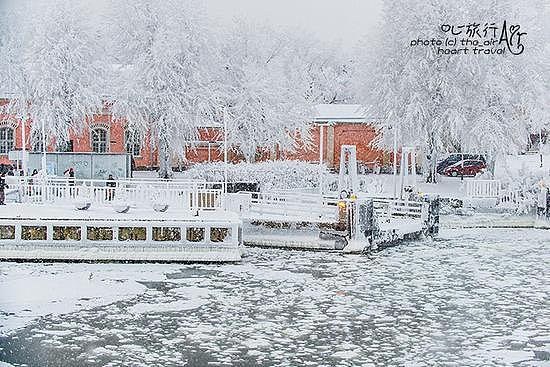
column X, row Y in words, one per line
column 6, row 144
column 93, row 141
column 132, row 134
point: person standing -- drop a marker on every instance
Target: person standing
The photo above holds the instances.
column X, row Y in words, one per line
column 111, row 184
column 70, row 174
column 3, row 186
column 31, row 181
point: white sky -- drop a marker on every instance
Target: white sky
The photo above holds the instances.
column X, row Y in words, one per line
column 344, row 21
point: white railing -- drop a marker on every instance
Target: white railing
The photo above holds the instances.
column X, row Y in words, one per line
column 126, row 183
column 313, row 208
column 182, row 195
column 397, row 208
column 286, row 206
column 509, row 198
column 482, row 188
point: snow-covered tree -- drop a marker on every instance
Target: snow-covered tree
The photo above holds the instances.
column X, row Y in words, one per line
column 53, row 69
column 443, row 102
column 326, row 70
column 259, row 86
column 162, row 86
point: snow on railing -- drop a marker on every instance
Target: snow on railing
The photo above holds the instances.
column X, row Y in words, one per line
column 126, row 183
column 509, row 198
column 182, row 195
column 296, row 206
column 290, row 206
column 482, row 188
column 397, row 208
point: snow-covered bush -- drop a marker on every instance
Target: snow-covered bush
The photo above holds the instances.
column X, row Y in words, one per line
column 275, row 175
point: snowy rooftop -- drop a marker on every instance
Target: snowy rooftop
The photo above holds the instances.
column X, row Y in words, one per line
column 354, row 113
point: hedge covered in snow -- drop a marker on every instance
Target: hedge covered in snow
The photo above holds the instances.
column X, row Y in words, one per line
column 275, row 175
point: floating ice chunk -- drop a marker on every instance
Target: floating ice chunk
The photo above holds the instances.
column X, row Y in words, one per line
column 181, row 305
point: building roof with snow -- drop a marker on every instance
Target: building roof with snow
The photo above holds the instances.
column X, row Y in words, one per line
column 350, row 113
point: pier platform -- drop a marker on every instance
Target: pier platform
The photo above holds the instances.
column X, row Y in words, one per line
column 60, row 232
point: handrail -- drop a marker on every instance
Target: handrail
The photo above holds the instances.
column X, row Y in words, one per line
column 192, row 197
column 119, row 182
column 483, row 188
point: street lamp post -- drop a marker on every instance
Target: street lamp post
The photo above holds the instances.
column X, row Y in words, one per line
column 44, row 166
column 321, row 148
column 394, row 161
column 225, row 151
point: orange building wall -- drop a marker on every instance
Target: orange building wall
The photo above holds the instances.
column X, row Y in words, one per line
column 360, row 135
column 308, row 152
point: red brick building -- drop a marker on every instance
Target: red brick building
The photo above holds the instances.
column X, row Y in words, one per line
column 340, row 124
column 344, row 124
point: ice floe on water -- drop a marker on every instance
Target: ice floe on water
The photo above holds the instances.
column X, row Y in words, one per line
column 28, row 291
column 467, row 298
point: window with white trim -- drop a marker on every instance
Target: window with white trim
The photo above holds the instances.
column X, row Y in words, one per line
column 7, row 141
column 132, row 139
column 100, row 140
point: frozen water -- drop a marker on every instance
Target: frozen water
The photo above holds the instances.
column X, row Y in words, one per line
column 469, row 298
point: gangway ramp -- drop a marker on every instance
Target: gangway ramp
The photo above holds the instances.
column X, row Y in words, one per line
column 283, row 206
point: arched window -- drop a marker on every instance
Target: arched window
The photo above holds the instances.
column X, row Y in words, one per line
column 100, row 142
column 6, row 139
column 133, row 142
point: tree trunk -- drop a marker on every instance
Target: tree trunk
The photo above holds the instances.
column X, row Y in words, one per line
column 165, row 161
column 429, row 166
column 491, row 160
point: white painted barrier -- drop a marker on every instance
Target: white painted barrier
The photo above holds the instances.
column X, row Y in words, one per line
column 285, row 206
column 482, row 188
column 180, row 195
column 314, row 208
column 385, row 207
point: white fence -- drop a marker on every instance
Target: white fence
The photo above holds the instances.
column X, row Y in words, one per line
column 482, row 188
column 286, row 206
column 181, row 195
column 396, row 208
column 312, row 208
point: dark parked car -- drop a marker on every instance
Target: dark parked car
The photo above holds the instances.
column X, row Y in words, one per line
column 455, row 158
column 468, row 167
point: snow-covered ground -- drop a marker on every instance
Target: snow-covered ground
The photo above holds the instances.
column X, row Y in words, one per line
column 473, row 297
column 522, row 165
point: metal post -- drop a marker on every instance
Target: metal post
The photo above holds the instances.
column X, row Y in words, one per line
column 225, row 150
column 44, row 168
column 44, row 165
column 394, row 162
column 540, row 147
column 24, row 150
column 403, row 171
column 413, row 169
column 321, row 144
